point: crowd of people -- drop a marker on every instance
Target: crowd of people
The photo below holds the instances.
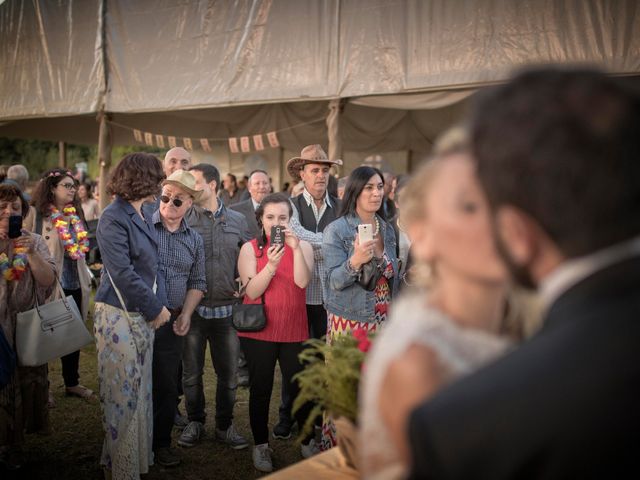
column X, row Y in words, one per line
column 471, row 374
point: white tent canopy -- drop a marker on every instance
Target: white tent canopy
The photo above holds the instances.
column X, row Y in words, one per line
column 400, row 69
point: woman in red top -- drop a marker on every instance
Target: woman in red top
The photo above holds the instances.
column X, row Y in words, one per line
column 280, row 274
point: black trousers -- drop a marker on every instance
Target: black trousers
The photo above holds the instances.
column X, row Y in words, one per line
column 261, row 358
column 71, row 362
column 317, row 318
column 167, row 357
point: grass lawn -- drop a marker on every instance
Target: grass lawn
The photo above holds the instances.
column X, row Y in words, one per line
column 72, row 451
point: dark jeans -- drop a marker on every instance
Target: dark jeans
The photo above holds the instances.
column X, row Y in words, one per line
column 317, row 317
column 261, row 359
column 71, row 362
column 225, row 348
column 167, row 357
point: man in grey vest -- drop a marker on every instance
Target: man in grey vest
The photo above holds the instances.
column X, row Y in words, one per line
column 313, row 210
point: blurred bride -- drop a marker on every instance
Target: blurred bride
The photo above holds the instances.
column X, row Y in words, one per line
column 442, row 331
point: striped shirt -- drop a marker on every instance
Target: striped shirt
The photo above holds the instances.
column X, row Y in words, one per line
column 182, row 260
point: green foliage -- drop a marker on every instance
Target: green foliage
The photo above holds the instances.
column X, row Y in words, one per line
column 39, row 156
column 330, row 378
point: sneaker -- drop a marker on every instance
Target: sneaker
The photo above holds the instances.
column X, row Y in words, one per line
column 191, row 434
column 262, row 458
column 310, row 449
column 180, row 421
column 167, row 457
column 282, row 430
column 231, row 437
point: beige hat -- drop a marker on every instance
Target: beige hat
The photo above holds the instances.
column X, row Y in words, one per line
column 309, row 154
column 184, row 180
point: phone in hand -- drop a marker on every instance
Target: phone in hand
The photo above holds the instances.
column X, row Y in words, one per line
column 277, row 235
column 365, row 232
column 15, row 226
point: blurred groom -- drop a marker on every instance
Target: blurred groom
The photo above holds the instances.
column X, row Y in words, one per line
column 558, row 154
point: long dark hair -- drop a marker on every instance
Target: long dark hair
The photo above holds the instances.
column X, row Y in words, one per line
column 271, row 198
column 355, row 184
column 43, row 196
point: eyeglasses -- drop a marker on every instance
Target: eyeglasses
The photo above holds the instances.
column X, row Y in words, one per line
column 176, row 201
column 69, row 186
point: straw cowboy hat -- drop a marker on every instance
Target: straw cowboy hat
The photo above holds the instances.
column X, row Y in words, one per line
column 309, row 154
column 184, row 180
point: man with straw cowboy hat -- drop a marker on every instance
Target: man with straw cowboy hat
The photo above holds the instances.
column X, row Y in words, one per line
column 181, row 252
column 313, row 210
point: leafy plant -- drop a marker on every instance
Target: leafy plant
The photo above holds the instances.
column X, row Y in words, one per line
column 331, row 376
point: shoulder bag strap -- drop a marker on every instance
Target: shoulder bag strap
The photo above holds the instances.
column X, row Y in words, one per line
column 38, row 224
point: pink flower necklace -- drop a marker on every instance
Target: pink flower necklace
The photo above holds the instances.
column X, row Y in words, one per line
column 75, row 248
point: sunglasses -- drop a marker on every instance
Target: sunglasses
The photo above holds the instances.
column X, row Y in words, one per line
column 176, row 201
column 69, row 186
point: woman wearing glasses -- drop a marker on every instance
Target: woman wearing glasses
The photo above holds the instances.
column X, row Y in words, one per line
column 57, row 216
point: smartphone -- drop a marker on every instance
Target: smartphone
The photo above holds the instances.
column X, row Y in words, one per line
column 15, row 226
column 365, row 232
column 277, row 235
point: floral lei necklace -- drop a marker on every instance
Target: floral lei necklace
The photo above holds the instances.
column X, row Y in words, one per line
column 75, row 248
column 19, row 264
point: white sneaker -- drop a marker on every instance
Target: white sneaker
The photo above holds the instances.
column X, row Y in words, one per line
column 262, row 458
column 310, row 449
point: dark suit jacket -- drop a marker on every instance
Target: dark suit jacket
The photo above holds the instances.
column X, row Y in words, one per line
column 129, row 250
column 246, row 208
column 564, row 405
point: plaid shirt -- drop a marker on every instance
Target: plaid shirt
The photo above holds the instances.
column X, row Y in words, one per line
column 182, row 259
column 314, row 289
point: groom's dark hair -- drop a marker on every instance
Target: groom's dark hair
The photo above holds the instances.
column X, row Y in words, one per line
column 563, row 145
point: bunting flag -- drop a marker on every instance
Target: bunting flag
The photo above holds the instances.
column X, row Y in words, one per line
column 257, row 141
column 273, row 139
column 204, row 142
column 233, row 145
column 244, row 144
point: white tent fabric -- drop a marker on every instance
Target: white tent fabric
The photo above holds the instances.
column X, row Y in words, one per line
column 217, row 69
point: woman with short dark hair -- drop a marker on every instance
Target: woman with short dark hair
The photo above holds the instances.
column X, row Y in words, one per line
column 124, row 336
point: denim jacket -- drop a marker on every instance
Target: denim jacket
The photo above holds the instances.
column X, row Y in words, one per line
column 343, row 295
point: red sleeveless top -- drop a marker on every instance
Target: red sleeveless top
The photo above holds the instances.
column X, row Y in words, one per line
column 284, row 302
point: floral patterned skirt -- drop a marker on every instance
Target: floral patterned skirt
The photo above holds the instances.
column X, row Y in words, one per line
column 336, row 326
column 125, row 353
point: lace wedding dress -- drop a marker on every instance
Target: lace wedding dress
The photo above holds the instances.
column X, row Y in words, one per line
column 412, row 321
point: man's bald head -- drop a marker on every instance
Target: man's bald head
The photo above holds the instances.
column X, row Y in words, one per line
column 176, row 159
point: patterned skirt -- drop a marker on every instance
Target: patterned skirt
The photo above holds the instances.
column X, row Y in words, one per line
column 125, row 353
column 336, row 326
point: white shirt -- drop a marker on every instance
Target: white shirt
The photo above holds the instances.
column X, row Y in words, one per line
column 317, row 212
column 573, row 271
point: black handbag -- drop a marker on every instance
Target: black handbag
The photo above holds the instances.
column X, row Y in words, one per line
column 371, row 272
column 249, row 317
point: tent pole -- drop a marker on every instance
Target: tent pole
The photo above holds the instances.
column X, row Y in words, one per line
column 333, row 130
column 104, row 159
column 62, row 155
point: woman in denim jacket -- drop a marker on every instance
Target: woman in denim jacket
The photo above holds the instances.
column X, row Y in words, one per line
column 349, row 305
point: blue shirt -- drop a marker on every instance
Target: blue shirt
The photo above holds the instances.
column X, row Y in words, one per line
column 181, row 259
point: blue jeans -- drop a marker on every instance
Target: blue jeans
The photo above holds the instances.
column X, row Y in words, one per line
column 225, row 348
